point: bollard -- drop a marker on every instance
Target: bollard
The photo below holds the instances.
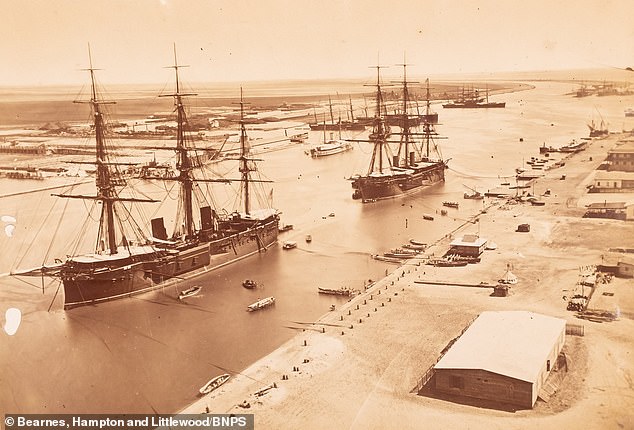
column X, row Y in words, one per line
column 389, row 299
column 342, row 332
column 374, row 309
column 351, row 326
column 340, row 317
column 349, row 313
column 304, row 342
column 323, row 329
column 382, row 304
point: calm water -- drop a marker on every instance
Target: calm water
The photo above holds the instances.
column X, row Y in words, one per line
column 153, row 352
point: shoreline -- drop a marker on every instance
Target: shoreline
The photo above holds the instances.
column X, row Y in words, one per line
column 370, row 352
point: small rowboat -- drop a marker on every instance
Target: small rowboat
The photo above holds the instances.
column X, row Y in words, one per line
column 189, row 292
column 250, row 284
column 214, row 383
column 260, row 304
column 289, row 244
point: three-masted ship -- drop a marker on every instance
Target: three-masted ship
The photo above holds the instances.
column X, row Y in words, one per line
column 417, row 163
column 120, row 265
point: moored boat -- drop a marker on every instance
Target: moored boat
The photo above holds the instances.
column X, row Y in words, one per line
column 330, row 147
column 470, row 99
column 126, row 260
column 261, row 304
column 573, row 146
column 289, row 244
column 189, row 292
column 473, row 196
column 450, row 204
column 249, row 284
column 447, row 263
column 214, row 383
column 600, row 130
column 343, row 291
column 420, row 247
column 417, row 165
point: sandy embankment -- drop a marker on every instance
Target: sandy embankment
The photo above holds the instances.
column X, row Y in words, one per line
column 360, row 371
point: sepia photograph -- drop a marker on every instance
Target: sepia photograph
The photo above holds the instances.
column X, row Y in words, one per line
column 335, row 214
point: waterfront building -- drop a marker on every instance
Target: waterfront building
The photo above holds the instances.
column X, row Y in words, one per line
column 503, row 357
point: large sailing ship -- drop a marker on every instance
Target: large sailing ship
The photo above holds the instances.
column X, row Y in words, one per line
column 417, row 162
column 340, row 124
column 470, row 99
column 120, row 266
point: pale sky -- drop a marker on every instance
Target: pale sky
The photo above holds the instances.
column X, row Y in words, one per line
column 45, row 41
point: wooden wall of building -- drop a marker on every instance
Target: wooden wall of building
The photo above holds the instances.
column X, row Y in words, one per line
column 481, row 384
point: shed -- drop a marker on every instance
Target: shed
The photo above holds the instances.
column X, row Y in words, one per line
column 470, row 245
column 503, row 357
column 625, row 267
column 615, row 210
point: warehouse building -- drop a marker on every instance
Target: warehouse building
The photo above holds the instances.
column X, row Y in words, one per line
column 502, row 357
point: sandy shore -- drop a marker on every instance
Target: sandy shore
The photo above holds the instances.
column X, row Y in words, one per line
column 358, row 365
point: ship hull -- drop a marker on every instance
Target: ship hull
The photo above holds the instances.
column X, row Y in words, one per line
column 368, row 188
column 320, row 152
column 89, row 287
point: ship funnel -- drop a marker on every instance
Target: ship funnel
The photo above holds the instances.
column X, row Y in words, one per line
column 158, row 229
column 206, row 218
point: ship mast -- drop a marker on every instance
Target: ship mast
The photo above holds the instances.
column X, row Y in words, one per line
column 183, row 161
column 379, row 127
column 106, row 192
column 405, row 123
column 245, row 169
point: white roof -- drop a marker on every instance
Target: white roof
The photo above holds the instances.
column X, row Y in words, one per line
column 510, row 343
column 613, row 175
column 469, row 240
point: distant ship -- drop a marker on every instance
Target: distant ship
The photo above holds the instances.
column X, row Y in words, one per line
column 470, row 99
column 600, row 130
column 125, row 261
column 330, row 146
column 429, row 116
column 340, row 124
column 416, row 165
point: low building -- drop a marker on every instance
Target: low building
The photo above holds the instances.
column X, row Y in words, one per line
column 621, row 158
column 470, row 245
column 503, row 357
column 613, row 210
column 625, row 268
column 612, row 182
